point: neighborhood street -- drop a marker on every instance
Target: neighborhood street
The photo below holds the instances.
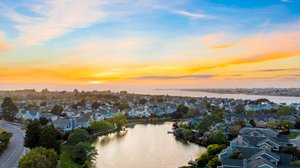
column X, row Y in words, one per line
column 10, row 157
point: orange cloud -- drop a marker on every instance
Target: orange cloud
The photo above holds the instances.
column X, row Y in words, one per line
column 218, row 47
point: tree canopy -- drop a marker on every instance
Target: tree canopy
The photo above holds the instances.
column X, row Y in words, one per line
column 9, row 109
column 57, row 110
column 39, row 158
column 79, row 135
column 84, row 153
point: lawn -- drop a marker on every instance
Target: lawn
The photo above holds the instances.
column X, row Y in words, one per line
column 65, row 158
column 293, row 135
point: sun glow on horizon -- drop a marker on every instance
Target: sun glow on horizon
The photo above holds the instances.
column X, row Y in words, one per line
column 194, row 43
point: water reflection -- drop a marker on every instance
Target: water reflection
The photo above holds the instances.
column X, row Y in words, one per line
column 147, row 146
column 111, row 137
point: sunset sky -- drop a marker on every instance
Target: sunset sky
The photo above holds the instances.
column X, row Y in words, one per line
column 108, row 44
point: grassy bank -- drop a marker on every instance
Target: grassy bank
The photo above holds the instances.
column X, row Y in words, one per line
column 293, row 135
column 65, row 157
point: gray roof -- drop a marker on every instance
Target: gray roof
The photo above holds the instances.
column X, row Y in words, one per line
column 233, row 162
column 261, row 153
column 258, row 162
column 251, row 140
column 247, row 152
column 61, row 122
column 266, row 131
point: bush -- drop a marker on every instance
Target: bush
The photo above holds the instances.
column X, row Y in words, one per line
column 214, row 149
column 187, row 134
column 202, row 160
column 214, row 163
column 39, row 158
column 4, row 140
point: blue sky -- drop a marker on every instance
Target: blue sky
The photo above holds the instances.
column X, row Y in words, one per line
column 177, row 36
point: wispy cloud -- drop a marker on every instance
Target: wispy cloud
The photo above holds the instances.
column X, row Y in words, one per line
column 193, row 15
column 286, row 1
column 278, row 70
column 54, row 18
column 219, row 47
column 177, row 77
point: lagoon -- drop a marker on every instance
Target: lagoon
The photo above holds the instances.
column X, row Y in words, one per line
column 145, row 145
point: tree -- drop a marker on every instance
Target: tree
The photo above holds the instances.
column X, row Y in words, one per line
column 182, row 109
column 208, row 121
column 284, row 110
column 234, row 130
column 101, row 126
column 214, row 149
column 95, row 105
column 219, row 138
column 187, row 134
column 43, row 121
column 214, row 162
column 239, row 108
column 84, row 153
column 32, row 136
column 57, row 110
column 39, row 158
column 297, row 123
column 241, row 123
column 142, row 101
column 9, row 109
column 252, row 122
column 79, row 135
column 43, row 103
column 119, row 120
column 202, row 160
column 4, row 140
column 48, row 138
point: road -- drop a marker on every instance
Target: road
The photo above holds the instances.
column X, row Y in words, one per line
column 11, row 156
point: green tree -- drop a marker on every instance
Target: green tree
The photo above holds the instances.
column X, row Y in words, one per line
column 101, row 126
column 239, row 108
column 48, row 138
column 252, row 122
column 208, row 121
column 214, row 162
column 284, row 110
column 241, row 123
column 84, row 153
column 297, row 123
column 214, row 149
column 9, row 109
column 32, row 136
column 219, row 138
column 187, row 134
column 202, row 160
column 57, row 110
column 4, row 140
column 79, row 135
column 39, row 158
column 182, row 109
column 119, row 120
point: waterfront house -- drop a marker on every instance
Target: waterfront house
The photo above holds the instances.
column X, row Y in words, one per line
column 64, row 124
column 257, row 148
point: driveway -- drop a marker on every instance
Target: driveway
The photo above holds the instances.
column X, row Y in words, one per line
column 11, row 156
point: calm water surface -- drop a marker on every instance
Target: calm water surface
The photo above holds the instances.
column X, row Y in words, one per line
column 276, row 99
column 145, row 146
